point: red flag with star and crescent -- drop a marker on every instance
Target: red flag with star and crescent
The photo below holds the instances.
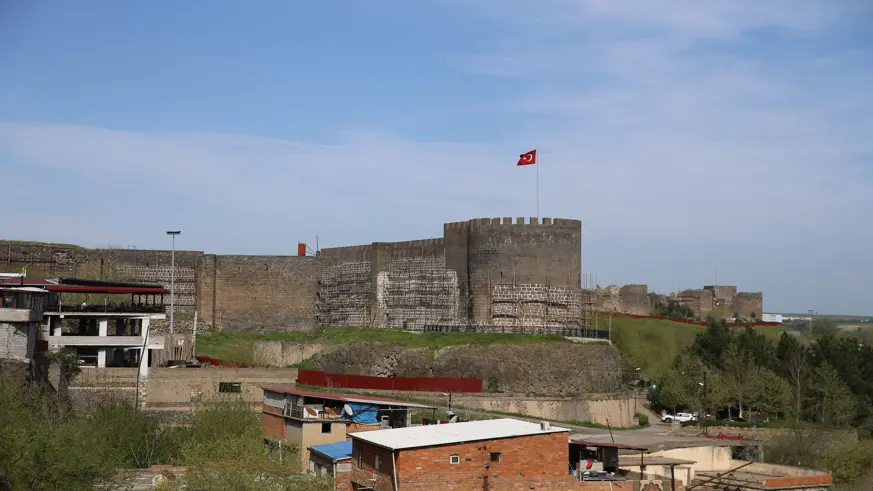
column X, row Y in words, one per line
column 529, row 158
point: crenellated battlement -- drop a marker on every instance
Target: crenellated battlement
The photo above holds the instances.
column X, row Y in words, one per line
column 518, row 221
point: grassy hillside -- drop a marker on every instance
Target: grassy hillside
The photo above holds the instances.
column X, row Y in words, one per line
column 652, row 344
column 222, row 344
column 649, row 344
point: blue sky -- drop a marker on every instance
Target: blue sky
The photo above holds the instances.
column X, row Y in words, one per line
column 688, row 136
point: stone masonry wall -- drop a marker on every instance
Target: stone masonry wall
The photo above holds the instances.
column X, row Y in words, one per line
column 635, row 299
column 535, row 305
column 265, row 293
column 344, row 292
column 534, row 265
column 415, row 292
column 749, row 304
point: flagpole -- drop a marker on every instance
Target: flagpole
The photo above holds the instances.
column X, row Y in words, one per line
column 537, row 165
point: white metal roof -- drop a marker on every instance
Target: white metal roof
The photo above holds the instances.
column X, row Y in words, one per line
column 445, row 434
column 29, row 289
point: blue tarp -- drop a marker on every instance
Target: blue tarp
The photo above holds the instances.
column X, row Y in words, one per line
column 335, row 451
column 364, row 413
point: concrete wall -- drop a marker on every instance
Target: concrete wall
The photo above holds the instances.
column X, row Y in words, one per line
column 707, row 458
column 17, row 340
column 614, row 410
column 181, row 389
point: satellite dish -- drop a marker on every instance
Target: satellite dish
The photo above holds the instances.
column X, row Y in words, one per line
column 348, row 410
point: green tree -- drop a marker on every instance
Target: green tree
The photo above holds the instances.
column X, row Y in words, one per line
column 737, row 368
column 794, row 365
column 710, row 344
column 832, row 400
column 674, row 309
column 43, row 446
column 824, row 327
column 761, row 349
column 769, row 392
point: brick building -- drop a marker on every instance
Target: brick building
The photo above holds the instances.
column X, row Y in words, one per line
column 493, row 454
column 307, row 418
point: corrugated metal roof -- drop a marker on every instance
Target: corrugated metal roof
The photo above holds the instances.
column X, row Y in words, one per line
column 334, row 396
column 30, row 289
column 607, row 445
column 446, row 434
column 334, row 451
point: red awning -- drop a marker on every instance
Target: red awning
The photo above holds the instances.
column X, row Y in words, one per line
column 104, row 289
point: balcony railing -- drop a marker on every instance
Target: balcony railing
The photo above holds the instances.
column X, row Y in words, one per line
column 300, row 412
column 109, row 308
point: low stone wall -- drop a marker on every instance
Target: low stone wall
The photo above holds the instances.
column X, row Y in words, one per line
column 613, row 409
column 284, row 353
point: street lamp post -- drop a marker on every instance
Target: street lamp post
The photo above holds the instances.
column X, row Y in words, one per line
column 173, row 234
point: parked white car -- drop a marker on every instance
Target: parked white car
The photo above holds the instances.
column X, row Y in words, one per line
column 678, row 417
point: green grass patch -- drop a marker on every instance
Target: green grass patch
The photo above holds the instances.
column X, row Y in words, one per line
column 220, row 344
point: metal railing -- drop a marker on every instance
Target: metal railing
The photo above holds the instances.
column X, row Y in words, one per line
column 108, row 308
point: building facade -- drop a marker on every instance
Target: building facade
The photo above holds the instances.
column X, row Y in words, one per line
column 491, row 454
column 307, row 418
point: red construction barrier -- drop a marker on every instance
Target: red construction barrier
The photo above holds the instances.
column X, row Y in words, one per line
column 412, row 384
column 215, row 362
column 692, row 322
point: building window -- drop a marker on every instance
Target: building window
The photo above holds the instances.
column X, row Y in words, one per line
column 359, row 456
column 326, row 428
column 230, row 387
column 455, row 459
column 378, row 461
column 496, row 457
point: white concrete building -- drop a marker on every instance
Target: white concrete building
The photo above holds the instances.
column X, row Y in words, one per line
column 114, row 333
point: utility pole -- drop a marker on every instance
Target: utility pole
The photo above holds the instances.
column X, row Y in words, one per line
column 173, row 234
column 703, row 409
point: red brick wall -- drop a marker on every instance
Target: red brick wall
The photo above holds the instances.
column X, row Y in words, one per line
column 273, row 426
column 523, row 459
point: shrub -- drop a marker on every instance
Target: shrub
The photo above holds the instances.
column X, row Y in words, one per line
column 643, row 419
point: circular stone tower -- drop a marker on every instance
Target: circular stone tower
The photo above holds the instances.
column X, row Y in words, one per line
column 517, row 271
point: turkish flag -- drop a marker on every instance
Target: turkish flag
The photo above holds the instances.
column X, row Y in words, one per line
column 529, row 158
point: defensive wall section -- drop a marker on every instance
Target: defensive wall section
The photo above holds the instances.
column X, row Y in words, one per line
column 487, row 272
column 721, row 301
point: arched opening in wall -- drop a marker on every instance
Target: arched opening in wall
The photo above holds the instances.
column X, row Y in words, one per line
column 501, row 275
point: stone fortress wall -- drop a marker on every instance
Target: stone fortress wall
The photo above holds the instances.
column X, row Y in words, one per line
column 722, row 301
column 488, row 272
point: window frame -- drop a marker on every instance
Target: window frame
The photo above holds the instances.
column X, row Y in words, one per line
column 454, row 459
column 329, row 427
column 230, row 387
column 495, row 457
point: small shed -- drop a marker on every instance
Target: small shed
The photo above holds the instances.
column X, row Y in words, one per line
column 331, row 459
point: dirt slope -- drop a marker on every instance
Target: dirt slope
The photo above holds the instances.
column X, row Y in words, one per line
column 547, row 368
